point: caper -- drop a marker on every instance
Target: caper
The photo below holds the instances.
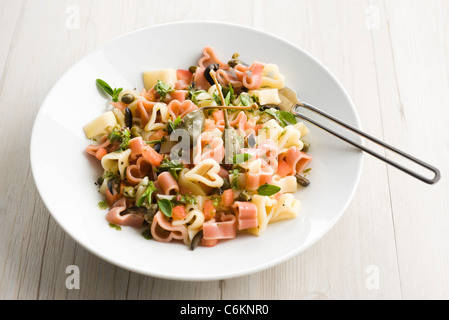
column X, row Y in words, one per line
column 213, row 66
column 302, row 181
column 192, row 69
column 306, row 147
column 129, row 192
column 244, row 196
column 127, row 98
column 128, row 117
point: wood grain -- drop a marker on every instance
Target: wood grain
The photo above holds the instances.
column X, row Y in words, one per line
column 391, row 56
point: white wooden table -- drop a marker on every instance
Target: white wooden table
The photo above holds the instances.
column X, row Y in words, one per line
column 391, row 56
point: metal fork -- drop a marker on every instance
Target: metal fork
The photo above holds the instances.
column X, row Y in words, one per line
column 291, row 103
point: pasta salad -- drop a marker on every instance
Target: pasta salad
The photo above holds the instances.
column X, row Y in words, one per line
column 200, row 155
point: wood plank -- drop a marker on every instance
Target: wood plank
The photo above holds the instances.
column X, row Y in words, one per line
column 339, row 265
column 415, row 111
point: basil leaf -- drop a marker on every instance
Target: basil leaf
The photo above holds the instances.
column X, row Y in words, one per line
column 147, row 194
column 240, row 158
column 268, row 190
column 287, row 116
column 114, row 93
column 165, row 206
column 104, row 86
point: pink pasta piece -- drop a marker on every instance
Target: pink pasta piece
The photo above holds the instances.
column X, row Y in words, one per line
column 184, row 79
column 226, row 77
column 250, row 76
column 210, row 57
column 163, row 231
column 209, row 243
column 136, row 145
column 209, row 148
column 246, row 213
column 95, row 150
column 144, row 109
column 254, row 180
column 114, row 217
column 293, row 161
column 168, row 183
column 177, row 108
column 179, row 95
column 224, row 173
column 200, row 79
column 119, row 105
column 222, row 227
column 136, row 172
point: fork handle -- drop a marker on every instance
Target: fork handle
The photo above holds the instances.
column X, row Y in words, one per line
column 436, row 172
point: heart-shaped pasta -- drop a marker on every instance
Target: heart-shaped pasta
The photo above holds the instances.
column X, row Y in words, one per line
column 206, row 172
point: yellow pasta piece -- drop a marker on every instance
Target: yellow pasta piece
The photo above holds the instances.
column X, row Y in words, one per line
column 100, row 125
column 267, row 96
column 167, row 76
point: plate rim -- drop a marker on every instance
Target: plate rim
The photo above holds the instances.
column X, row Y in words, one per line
column 229, row 275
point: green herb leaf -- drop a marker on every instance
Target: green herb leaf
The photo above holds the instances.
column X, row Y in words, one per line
column 163, row 89
column 192, row 94
column 240, row 158
column 287, row 116
column 228, row 93
column 173, row 166
column 235, row 179
column 165, row 206
column 108, row 90
column 103, row 205
column 105, row 87
column 147, row 194
column 115, row 94
column 121, row 135
column 116, row 227
column 268, row 190
column 173, row 125
column 246, row 99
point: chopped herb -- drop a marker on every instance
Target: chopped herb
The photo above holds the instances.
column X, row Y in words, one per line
column 268, row 190
column 173, row 166
column 246, row 99
column 216, row 201
column 108, row 90
column 187, row 198
column 147, row 194
column 228, row 93
column 287, row 116
column 162, row 89
column 192, row 94
column 103, row 205
column 235, row 179
column 165, row 206
column 217, row 98
column 147, row 234
column 283, row 117
column 121, row 135
column 240, row 158
column 172, row 125
column 307, row 170
column 116, row 227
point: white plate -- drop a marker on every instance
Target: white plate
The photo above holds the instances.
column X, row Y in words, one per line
column 65, row 174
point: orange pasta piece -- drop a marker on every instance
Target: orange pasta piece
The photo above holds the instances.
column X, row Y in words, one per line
column 227, row 198
column 152, row 156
